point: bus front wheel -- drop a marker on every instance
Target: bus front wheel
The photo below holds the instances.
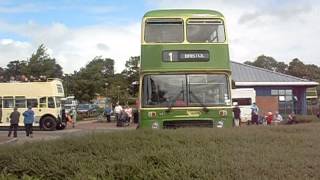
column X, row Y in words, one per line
column 48, row 123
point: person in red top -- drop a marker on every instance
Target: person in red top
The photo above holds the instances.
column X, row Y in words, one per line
column 269, row 118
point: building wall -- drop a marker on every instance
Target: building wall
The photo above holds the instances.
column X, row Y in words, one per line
column 267, row 104
column 286, row 103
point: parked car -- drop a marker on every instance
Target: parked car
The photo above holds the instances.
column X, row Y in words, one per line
column 86, row 110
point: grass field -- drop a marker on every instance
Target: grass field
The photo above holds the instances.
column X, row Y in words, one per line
column 282, row 152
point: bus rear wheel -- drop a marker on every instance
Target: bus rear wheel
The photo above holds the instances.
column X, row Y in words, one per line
column 48, row 123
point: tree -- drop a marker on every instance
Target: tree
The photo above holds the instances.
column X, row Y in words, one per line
column 16, row 68
column 268, row 62
column 297, row 68
column 91, row 80
column 118, row 89
column 265, row 62
column 281, row 67
column 41, row 64
column 132, row 69
column 131, row 72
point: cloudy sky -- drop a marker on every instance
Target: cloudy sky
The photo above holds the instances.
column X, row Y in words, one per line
column 76, row 31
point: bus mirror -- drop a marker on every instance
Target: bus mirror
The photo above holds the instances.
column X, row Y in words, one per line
column 233, row 84
column 134, row 88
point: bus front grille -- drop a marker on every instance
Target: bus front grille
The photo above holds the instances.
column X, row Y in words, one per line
column 188, row 123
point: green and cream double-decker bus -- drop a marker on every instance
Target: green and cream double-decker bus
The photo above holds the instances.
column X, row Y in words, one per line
column 185, row 70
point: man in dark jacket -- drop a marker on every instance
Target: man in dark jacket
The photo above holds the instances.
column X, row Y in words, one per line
column 14, row 121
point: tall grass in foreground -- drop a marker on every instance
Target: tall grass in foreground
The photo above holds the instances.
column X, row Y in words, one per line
column 283, row 152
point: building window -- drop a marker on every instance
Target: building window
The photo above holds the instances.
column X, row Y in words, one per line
column 274, row 92
column 286, row 100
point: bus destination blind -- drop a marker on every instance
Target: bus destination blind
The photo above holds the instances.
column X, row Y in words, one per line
column 185, row 56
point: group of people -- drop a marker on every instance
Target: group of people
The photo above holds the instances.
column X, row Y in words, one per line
column 269, row 119
column 122, row 115
column 29, row 117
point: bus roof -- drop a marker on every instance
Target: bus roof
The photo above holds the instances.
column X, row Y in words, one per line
column 183, row 13
column 32, row 89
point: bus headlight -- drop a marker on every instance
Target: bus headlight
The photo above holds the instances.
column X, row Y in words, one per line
column 220, row 124
column 155, row 125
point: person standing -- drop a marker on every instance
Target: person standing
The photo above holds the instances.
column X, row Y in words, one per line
column 128, row 110
column 236, row 115
column 117, row 111
column 254, row 113
column 73, row 116
column 14, row 122
column 28, row 121
column 108, row 112
column 277, row 118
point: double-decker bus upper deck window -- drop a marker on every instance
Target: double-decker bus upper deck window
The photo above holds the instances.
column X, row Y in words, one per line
column 205, row 31
column 160, row 30
column 59, row 88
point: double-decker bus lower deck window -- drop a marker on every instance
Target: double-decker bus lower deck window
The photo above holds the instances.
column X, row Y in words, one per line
column 20, row 102
column 205, row 31
column 51, row 102
column 159, row 30
column 32, row 102
column 8, row 102
column 185, row 90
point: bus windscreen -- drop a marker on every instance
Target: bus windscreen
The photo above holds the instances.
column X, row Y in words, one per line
column 185, row 90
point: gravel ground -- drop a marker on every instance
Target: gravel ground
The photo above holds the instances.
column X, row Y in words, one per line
column 81, row 128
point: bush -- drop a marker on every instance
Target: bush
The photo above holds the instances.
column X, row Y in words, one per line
column 306, row 118
column 279, row 152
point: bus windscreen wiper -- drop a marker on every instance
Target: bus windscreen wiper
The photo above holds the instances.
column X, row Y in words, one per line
column 205, row 109
column 174, row 100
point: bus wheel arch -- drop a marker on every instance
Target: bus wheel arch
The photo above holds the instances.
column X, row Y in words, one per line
column 48, row 122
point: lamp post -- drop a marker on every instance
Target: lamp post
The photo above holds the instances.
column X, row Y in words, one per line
column 106, row 99
column 118, row 94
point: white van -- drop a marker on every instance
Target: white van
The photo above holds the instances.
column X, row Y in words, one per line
column 244, row 97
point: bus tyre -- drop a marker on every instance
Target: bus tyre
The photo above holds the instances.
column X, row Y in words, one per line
column 49, row 123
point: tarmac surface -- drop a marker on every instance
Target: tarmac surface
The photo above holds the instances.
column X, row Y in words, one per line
column 81, row 128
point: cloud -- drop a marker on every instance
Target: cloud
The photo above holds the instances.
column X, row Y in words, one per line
column 13, row 50
column 9, row 9
column 74, row 47
column 282, row 13
column 282, row 29
column 103, row 47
